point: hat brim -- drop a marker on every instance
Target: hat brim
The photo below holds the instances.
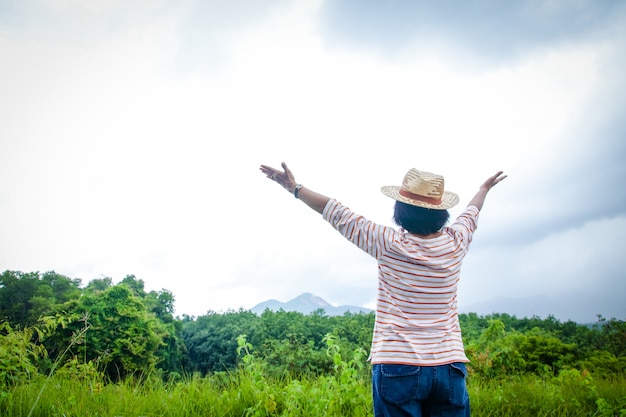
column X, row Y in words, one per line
column 448, row 200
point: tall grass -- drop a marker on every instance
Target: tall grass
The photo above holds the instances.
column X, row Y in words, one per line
column 78, row 389
column 247, row 393
column 239, row 395
column 244, row 394
column 571, row 393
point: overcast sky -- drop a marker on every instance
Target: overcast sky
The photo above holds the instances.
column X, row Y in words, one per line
column 132, row 133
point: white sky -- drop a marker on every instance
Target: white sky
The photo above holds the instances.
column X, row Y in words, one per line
column 132, row 133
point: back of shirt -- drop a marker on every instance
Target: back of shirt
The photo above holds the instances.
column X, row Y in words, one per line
column 416, row 314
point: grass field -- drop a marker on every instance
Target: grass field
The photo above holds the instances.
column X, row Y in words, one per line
column 248, row 393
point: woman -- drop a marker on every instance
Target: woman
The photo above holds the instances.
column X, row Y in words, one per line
column 417, row 354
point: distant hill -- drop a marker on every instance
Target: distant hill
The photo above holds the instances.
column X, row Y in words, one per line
column 580, row 308
column 306, row 304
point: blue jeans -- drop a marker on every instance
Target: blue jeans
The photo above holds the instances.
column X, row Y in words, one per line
column 420, row 391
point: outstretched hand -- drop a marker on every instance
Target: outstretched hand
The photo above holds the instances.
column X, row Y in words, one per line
column 493, row 180
column 284, row 177
column 479, row 199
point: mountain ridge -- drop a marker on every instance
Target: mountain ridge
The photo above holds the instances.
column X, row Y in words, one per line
column 306, row 303
column 530, row 306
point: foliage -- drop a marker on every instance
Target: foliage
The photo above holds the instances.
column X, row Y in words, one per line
column 290, row 343
column 250, row 391
column 26, row 297
column 613, row 336
column 18, row 354
column 125, row 336
column 211, row 340
column 345, row 391
column 131, row 331
column 117, row 347
column 571, row 393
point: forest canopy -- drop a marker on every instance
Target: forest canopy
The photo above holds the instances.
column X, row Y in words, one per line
column 122, row 330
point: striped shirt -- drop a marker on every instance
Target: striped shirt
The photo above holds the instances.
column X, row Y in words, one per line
column 417, row 321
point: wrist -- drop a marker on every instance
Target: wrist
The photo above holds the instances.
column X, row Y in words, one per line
column 296, row 190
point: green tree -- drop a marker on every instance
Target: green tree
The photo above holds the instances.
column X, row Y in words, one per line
column 124, row 337
column 543, row 352
column 612, row 336
column 99, row 284
column 16, row 292
column 211, row 340
column 161, row 304
column 172, row 351
column 26, row 297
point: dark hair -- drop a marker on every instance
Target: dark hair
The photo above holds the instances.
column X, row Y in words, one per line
column 419, row 220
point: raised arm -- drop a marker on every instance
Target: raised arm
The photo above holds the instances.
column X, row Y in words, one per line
column 479, row 198
column 286, row 178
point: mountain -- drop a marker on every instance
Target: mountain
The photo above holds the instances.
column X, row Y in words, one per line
column 306, row 304
column 585, row 310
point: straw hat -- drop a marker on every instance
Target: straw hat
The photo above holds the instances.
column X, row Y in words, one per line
column 422, row 189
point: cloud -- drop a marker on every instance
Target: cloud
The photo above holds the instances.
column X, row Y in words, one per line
column 196, row 37
column 563, row 266
column 208, row 30
column 572, row 174
column 497, row 30
column 133, row 132
column 72, row 21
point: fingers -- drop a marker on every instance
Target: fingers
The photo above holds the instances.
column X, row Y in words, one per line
column 288, row 172
column 265, row 169
column 269, row 172
column 281, row 177
column 276, row 174
column 496, row 179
